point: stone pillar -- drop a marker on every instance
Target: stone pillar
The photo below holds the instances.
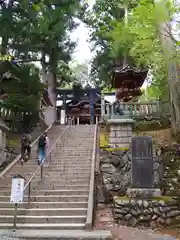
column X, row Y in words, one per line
column 96, row 120
column 77, row 120
column 120, row 132
column 91, row 109
column 102, row 107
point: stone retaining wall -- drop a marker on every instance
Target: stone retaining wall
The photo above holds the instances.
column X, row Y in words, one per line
column 115, row 168
column 153, row 212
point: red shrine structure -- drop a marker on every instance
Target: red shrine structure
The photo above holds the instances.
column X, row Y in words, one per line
column 128, row 80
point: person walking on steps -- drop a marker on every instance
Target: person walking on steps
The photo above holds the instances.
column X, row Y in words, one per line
column 47, row 143
column 25, row 147
column 41, row 149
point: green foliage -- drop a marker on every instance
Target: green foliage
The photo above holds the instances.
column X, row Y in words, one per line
column 37, row 31
column 80, row 72
column 24, row 91
column 29, row 29
column 138, row 39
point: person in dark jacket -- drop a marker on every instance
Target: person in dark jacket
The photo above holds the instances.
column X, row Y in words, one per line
column 25, row 146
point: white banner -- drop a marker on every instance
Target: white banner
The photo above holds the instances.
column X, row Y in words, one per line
column 17, row 190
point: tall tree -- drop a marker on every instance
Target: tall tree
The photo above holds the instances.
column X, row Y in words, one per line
column 40, row 31
column 147, row 38
column 170, row 46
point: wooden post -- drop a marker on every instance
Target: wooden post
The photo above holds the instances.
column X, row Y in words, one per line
column 91, row 106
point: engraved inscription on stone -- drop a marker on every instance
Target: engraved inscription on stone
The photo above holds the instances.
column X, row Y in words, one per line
column 142, row 162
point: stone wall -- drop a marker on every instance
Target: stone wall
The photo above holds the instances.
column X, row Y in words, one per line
column 115, row 169
column 133, row 212
column 120, row 134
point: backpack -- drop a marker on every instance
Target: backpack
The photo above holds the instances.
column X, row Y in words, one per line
column 42, row 141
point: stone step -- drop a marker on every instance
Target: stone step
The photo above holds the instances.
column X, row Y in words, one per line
column 53, row 192
column 35, row 204
column 68, row 178
column 49, row 226
column 65, row 174
column 49, row 198
column 68, row 234
column 10, row 176
column 45, row 211
column 72, row 161
column 80, row 167
column 63, row 185
column 50, row 182
column 71, row 149
column 69, row 169
column 61, row 177
column 44, row 187
column 73, row 142
column 71, row 153
column 21, row 219
column 54, row 166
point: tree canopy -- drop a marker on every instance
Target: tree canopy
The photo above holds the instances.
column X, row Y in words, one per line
column 138, row 37
column 36, row 31
column 39, row 31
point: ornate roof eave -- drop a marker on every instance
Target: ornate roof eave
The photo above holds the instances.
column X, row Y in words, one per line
column 80, row 103
column 129, row 68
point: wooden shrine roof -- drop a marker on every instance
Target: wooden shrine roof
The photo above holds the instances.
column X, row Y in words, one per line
column 129, row 74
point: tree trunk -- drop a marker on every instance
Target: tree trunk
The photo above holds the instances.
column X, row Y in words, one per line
column 168, row 46
column 49, row 78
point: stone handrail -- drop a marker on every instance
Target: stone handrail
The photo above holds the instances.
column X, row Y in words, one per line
column 89, row 219
column 136, row 110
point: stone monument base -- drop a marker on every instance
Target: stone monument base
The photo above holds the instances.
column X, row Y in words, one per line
column 143, row 192
column 120, row 132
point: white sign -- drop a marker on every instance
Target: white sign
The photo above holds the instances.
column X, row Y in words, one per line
column 17, row 190
column 63, row 116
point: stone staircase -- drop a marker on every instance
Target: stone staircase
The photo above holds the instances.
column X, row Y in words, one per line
column 60, row 201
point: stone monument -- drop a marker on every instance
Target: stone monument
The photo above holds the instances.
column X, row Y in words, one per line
column 142, row 169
